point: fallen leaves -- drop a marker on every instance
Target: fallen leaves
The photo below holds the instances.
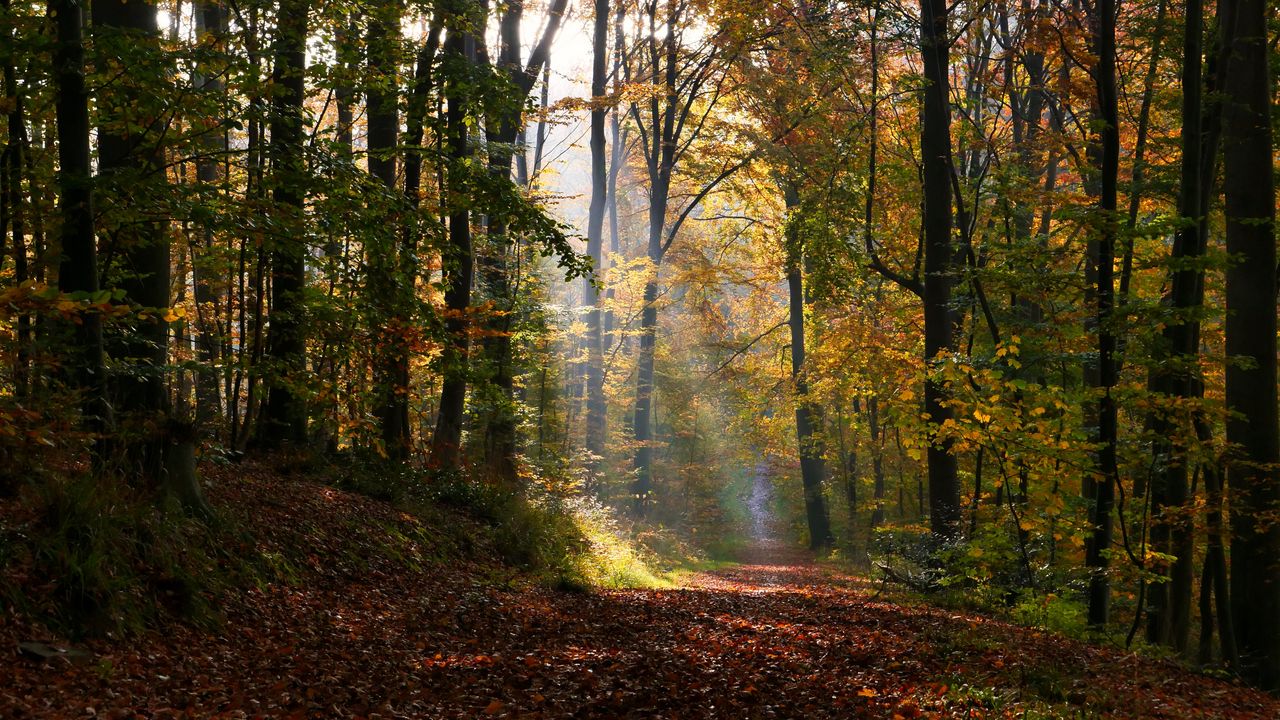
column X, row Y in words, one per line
column 418, row 633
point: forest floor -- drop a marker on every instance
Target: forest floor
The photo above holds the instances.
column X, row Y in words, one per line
column 385, row 617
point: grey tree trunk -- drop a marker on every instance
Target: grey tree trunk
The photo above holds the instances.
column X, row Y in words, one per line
column 595, row 435
column 78, row 270
column 1169, row 619
column 391, row 285
column 210, row 24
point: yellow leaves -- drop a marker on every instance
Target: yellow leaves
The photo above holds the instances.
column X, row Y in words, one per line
column 868, row 692
column 1054, row 507
column 174, row 314
column 981, row 416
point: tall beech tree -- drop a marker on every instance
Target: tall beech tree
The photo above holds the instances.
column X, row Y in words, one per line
column 1253, row 430
column 458, row 261
column 501, row 132
column 808, row 416
column 591, row 297
column 1169, row 618
column 129, row 156
column 78, row 265
column 285, row 418
column 392, row 279
column 688, row 80
column 939, row 319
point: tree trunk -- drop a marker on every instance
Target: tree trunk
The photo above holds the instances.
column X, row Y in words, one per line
column 285, row 419
column 1097, row 555
column 78, row 270
column 595, row 435
column 458, row 260
column 130, row 163
column 210, row 24
column 812, row 464
column 391, row 284
column 1174, row 372
column 939, row 320
column 1253, row 432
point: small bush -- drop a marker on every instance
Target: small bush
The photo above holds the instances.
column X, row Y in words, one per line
column 1053, row 612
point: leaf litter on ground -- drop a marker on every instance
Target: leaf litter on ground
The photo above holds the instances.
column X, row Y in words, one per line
column 382, row 616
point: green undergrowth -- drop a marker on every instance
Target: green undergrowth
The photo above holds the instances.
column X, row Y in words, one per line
column 984, row 575
column 91, row 556
column 566, row 540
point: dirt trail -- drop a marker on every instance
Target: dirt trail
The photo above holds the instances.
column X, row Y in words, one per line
column 777, row 636
column 780, row 637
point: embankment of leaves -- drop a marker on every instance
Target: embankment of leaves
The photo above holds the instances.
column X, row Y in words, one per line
column 83, row 558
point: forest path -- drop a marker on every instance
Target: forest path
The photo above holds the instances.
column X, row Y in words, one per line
column 779, row 636
column 360, row 631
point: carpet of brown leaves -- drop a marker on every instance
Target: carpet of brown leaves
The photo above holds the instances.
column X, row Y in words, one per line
column 363, row 632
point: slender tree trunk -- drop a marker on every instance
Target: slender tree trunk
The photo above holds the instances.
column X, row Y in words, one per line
column 595, row 435
column 809, row 442
column 939, row 319
column 1215, row 557
column 78, row 270
column 1104, row 41
column 210, row 24
column 11, row 171
column 496, row 272
column 285, row 421
column 392, row 286
column 130, row 165
column 1253, row 429
column 458, row 260
column 1174, row 373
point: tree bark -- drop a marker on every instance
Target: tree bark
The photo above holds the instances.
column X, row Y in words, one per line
column 458, row 261
column 285, row 419
column 210, row 24
column 131, row 166
column 1174, row 372
column 1097, row 555
column 1253, row 430
column 78, row 269
column 392, row 282
column 595, row 434
column 939, row 319
column 809, row 442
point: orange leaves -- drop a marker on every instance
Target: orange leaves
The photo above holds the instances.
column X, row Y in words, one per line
column 375, row 623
